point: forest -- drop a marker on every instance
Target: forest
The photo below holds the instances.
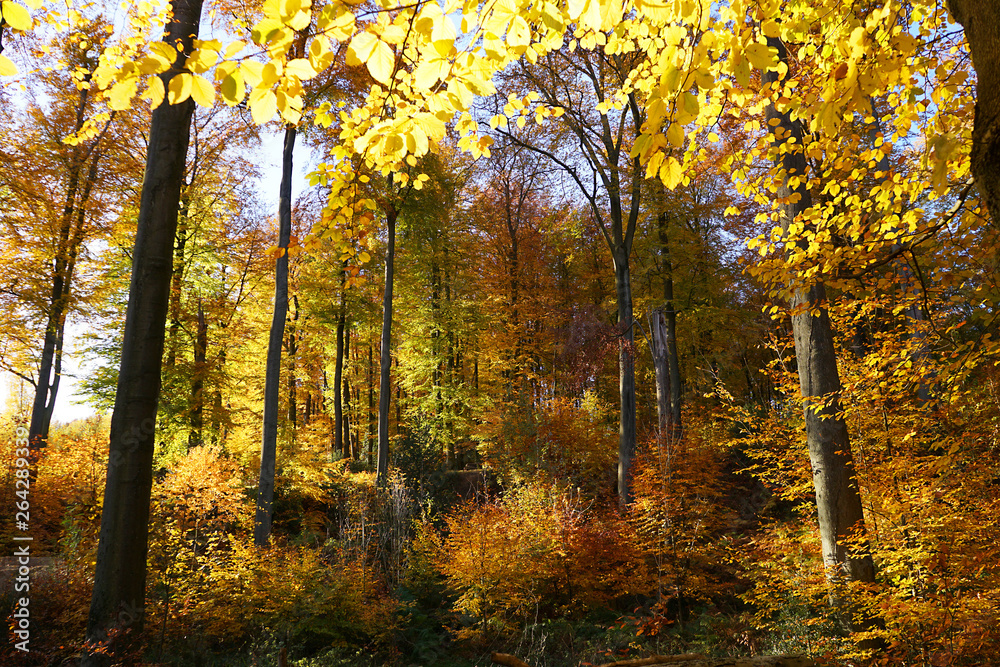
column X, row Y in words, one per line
column 564, row 332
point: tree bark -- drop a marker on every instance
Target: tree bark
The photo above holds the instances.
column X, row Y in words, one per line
column 626, row 377
column 981, row 20
column 346, row 394
column 382, row 465
column 838, row 500
column 118, row 599
column 70, row 238
column 269, row 440
column 195, row 437
column 338, row 409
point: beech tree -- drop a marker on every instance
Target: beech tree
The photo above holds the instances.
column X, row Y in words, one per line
column 838, row 497
column 268, row 451
column 118, row 601
column 579, row 84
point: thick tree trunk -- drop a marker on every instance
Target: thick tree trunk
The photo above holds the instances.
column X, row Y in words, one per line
column 382, row 465
column 838, row 500
column 626, row 377
column 981, row 20
column 118, row 599
column 269, row 440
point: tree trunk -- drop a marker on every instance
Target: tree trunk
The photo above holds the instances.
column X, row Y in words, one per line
column 981, row 19
column 838, row 499
column 176, row 284
column 626, row 377
column 195, row 437
column 671, row 360
column 346, row 393
column 269, row 440
column 661, row 372
column 293, row 352
column 338, row 410
column 118, row 599
column 372, row 419
column 70, row 238
column 382, row 465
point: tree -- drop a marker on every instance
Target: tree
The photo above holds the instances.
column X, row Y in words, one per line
column 265, row 486
column 118, row 598
column 580, row 84
column 979, row 17
column 838, row 497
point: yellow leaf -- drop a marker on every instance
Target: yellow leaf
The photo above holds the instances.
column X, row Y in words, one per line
column 16, row 16
column 164, row 52
column 675, row 135
column 202, row 91
column 120, row 95
column 234, row 48
column 671, row 173
column 7, row 67
column 382, row 62
column 179, row 88
column 233, row 89
column 263, row 104
column 202, row 60
column 301, row 68
column 519, row 34
column 300, row 21
column 761, row 56
column 154, row 92
column 271, row 73
column 361, row 48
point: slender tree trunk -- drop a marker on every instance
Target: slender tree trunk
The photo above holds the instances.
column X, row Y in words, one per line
column 293, row 352
column 268, row 450
column 70, row 237
column 372, row 418
column 838, row 499
column 118, row 600
column 626, row 377
column 177, row 283
column 338, row 410
column 382, row 465
column 661, row 372
column 195, row 437
column 346, row 393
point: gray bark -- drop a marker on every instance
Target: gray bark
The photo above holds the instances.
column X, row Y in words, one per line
column 981, row 20
column 838, row 500
column 118, row 599
column 338, row 373
column 269, row 440
column 382, row 465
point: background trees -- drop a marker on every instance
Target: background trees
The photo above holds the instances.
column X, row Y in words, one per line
column 663, row 135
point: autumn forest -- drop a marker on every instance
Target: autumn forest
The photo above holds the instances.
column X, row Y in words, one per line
column 517, row 332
